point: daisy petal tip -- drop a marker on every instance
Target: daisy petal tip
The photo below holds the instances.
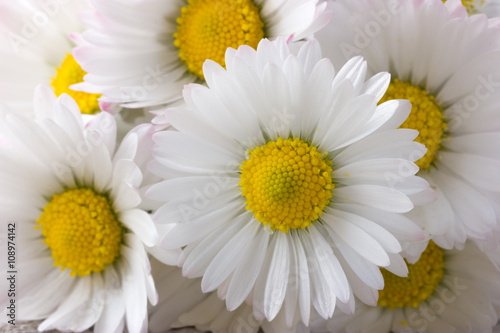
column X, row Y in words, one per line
column 231, row 305
column 404, row 103
column 355, row 61
column 152, row 240
column 258, row 313
column 105, row 106
column 271, row 312
column 68, row 102
column 210, row 67
column 420, row 236
column 155, row 300
column 344, row 297
column 205, row 285
column 43, row 326
column 386, row 78
column 409, row 207
column 44, row 94
column 73, row 36
column 188, row 89
column 164, row 243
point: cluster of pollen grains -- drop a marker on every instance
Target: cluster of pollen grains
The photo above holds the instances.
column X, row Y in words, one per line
column 286, row 183
column 471, row 5
column 423, row 278
column 81, row 230
column 206, row 28
column 426, row 117
column 70, row 73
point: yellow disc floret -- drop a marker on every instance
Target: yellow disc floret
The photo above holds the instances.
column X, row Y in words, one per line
column 423, row 278
column 70, row 73
column 426, row 117
column 472, row 5
column 81, row 230
column 286, row 183
column 206, row 28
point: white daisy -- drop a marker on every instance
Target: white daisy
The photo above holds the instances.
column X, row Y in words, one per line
column 181, row 303
column 36, row 41
column 445, row 291
column 80, row 234
column 144, row 52
column 278, row 168
column 446, row 64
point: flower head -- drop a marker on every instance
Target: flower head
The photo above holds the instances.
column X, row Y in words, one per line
column 36, row 39
column 445, row 62
column 446, row 290
column 146, row 59
column 76, row 204
column 279, row 169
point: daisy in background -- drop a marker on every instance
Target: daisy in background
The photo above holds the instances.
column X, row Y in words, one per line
column 75, row 202
column 142, row 53
column 181, row 303
column 278, row 169
column 36, row 42
column 445, row 291
column 446, row 64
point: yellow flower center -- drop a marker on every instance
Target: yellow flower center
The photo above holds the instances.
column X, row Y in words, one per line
column 471, row 5
column 286, row 183
column 70, row 73
column 81, row 230
column 206, row 28
column 426, row 117
column 423, row 278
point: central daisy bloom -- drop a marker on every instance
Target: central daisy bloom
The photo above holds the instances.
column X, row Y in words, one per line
column 208, row 27
column 423, row 278
column 426, row 117
column 71, row 73
column 276, row 175
column 81, row 230
column 287, row 183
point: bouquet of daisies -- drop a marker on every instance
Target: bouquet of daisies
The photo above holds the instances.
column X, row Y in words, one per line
column 250, row 165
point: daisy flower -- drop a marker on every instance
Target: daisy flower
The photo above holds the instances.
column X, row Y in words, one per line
column 445, row 291
column 181, row 303
column 278, row 168
column 36, row 41
column 142, row 53
column 81, row 235
column 446, row 64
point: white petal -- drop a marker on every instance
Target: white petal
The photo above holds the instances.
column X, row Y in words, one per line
column 140, row 223
column 398, row 265
column 229, row 258
column 366, row 271
column 205, row 251
column 277, row 277
column 380, row 234
column 478, row 170
column 358, row 239
column 304, row 284
column 244, row 276
column 379, row 197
